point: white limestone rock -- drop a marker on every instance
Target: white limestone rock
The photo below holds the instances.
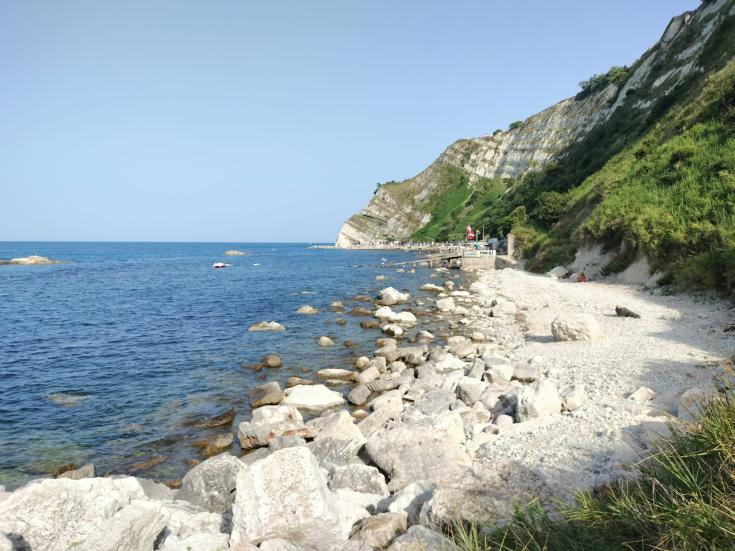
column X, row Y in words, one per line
column 380, row 530
column 390, row 296
column 210, row 484
column 445, row 304
column 359, row 478
column 285, row 496
column 134, row 528
column 576, row 327
column 268, row 422
column 536, row 400
column 429, row 449
column 421, row 538
column 313, row 398
column 411, row 499
column 52, row 514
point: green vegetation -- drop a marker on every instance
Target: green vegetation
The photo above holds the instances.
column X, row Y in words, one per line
column 515, row 124
column 680, row 499
column 616, row 75
column 457, row 204
column 657, row 177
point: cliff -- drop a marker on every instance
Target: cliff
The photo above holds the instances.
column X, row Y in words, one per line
column 641, row 93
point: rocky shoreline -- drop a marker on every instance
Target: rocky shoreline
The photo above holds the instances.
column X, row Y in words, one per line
column 534, row 387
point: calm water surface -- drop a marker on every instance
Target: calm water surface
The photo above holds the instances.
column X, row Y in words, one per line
column 111, row 356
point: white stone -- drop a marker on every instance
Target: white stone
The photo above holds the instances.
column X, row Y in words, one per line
column 559, row 271
column 404, row 319
column 210, row 484
column 269, row 422
column 267, row 326
column 368, row 375
column 359, row 478
column 448, row 364
column 384, row 313
column 411, row 498
column 312, row 398
column 573, row 397
column 52, row 514
column 643, row 394
column 421, row 538
column 393, row 330
column 390, row 296
column 576, row 327
column 445, row 304
column 306, row 309
column 430, row 448
column 134, row 528
column 431, row 288
column 325, row 341
column 285, row 496
column 536, row 400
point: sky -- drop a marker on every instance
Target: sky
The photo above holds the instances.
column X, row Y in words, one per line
column 237, row 121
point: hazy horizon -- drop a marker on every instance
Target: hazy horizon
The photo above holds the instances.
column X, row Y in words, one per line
column 248, row 122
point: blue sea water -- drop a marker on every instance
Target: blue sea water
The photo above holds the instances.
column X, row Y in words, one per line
column 113, row 354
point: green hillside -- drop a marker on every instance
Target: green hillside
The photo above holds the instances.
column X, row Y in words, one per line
column 659, row 181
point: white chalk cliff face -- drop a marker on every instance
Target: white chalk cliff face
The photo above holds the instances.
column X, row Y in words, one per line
column 398, row 211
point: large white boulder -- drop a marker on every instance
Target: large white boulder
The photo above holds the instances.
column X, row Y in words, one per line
column 448, row 363
column 576, row 327
column 339, row 425
column 192, row 528
column 404, row 319
column 285, row 496
column 536, row 400
column 429, row 449
column 211, row 483
column 445, row 304
column 431, row 288
column 384, row 313
column 52, row 514
column 390, row 296
column 312, row 398
column 359, row 478
column 268, row 422
column 411, row 498
column 134, row 528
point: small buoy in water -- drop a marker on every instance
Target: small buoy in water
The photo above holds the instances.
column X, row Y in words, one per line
column 218, row 265
column 256, row 264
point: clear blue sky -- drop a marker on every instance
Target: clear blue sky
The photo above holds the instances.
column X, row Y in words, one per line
column 233, row 120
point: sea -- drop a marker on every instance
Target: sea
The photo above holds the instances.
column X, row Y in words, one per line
column 114, row 355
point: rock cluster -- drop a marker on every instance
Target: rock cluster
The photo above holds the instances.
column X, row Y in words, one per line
column 416, row 453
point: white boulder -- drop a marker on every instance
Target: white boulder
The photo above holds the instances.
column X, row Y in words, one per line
column 285, row 496
column 390, row 296
column 312, row 398
column 536, row 400
column 576, row 327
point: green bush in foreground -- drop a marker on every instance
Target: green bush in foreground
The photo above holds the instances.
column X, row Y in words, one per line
column 683, row 498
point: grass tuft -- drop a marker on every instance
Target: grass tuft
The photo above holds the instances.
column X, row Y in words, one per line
column 682, row 498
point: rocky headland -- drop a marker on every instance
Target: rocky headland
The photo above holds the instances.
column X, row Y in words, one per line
column 529, row 388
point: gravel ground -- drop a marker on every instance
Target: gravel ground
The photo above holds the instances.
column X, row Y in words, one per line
column 677, row 344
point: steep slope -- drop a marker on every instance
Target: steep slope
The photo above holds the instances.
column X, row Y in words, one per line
column 517, row 177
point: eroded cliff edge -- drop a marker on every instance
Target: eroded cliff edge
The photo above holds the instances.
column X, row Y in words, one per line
column 399, row 210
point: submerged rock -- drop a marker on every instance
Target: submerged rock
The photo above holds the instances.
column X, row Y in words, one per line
column 267, row 326
column 307, row 310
